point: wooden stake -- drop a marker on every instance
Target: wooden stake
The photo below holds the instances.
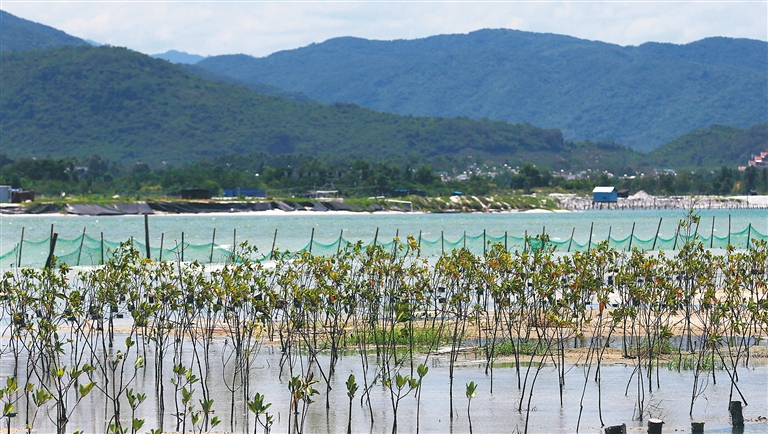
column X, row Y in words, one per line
column 589, row 244
column 571, row 241
column 213, row 244
column 80, row 251
column 657, row 235
column 272, row 252
column 631, row 236
column 21, row 247
column 52, row 247
column 146, row 235
column 162, row 239
column 312, row 239
column 712, row 236
column 341, row 235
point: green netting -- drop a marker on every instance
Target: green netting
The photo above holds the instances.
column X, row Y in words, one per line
column 86, row 250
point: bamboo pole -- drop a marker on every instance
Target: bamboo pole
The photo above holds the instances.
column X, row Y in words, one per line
column 80, row 250
column 589, row 243
column 272, row 252
column 656, row 237
column 376, row 237
column 213, row 244
column 51, row 248
column 102, row 248
column 234, row 245
column 571, row 240
column 312, row 240
column 182, row 247
column 712, row 235
column 442, row 243
column 631, row 237
column 729, row 229
column 484, row 250
column 21, row 247
column 677, row 234
column 749, row 234
column 146, row 235
column 341, row 235
column 162, row 240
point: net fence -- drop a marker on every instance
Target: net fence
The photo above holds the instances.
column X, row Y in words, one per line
column 86, row 250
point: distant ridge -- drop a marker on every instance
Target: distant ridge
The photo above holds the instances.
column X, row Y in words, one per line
column 179, row 57
column 129, row 107
column 18, row 34
column 642, row 96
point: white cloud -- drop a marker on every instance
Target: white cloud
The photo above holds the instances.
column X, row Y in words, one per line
column 260, row 28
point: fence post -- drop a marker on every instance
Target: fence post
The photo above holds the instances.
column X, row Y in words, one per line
column 52, row 247
column 376, row 237
column 419, row 252
column 146, row 234
column 484, row 250
column 182, row 247
column 712, row 235
column 234, row 245
column 442, row 243
column 341, row 235
column 213, row 244
column 729, row 229
column 102, row 248
column 677, row 234
column 80, row 251
column 749, row 234
column 589, row 243
column 272, row 252
column 162, row 239
column 631, row 237
column 656, row 237
column 312, row 239
column 21, row 246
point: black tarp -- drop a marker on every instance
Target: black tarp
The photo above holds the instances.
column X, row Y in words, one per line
column 91, row 209
column 206, row 207
column 133, row 208
column 337, row 206
column 42, row 208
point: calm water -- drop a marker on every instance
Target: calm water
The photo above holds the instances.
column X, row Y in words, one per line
column 496, row 412
column 294, row 229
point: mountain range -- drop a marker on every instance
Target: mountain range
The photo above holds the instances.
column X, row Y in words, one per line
column 642, row 96
column 78, row 100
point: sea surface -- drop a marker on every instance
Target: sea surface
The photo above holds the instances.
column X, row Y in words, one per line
column 295, row 229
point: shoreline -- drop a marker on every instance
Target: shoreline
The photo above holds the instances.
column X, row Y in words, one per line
column 455, row 205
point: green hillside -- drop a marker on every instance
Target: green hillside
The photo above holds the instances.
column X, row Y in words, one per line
column 642, row 96
column 128, row 107
column 712, row 147
column 17, row 34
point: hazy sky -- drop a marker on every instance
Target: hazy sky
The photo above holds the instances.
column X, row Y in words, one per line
column 263, row 27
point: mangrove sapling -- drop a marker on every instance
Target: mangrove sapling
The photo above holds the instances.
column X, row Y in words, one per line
column 9, row 396
column 183, row 379
column 302, row 391
column 470, row 392
column 258, row 407
column 421, row 371
column 403, row 385
column 351, row 390
column 461, row 271
column 134, row 401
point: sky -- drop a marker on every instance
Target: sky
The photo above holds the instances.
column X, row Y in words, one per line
column 259, row 28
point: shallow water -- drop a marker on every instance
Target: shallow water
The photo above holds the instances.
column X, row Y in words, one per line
column 490, row 412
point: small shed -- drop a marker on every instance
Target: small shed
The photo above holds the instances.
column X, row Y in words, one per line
column 604, row 194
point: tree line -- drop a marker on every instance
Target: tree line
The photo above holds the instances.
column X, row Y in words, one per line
column 294, row 174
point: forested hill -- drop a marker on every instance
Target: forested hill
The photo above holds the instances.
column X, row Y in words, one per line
column 712, row 147
column 18, row 34
column 129, row 107
column 642, row 96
